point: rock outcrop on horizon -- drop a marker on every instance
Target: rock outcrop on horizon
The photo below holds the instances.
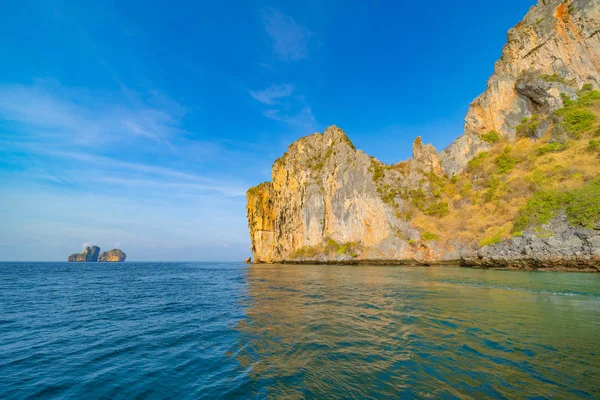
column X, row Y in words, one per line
column 92, row 254
column 520, row 188
column 114, row 255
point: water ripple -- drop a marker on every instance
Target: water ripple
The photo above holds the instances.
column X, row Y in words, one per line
column 226, row 330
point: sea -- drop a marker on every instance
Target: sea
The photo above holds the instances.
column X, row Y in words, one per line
column 214, row 330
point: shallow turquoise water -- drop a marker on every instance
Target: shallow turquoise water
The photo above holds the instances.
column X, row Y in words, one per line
column 226, row 330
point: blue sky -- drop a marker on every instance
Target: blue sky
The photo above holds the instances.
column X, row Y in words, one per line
column 140, row 125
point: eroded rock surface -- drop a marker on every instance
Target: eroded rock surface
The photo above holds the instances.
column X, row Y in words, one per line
column 557, row 40
column 554, row 49
column 556, row 244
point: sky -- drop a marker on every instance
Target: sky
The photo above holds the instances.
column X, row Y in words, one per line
column 141, row 124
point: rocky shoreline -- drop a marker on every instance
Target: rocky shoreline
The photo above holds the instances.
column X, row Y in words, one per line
column 550, row 265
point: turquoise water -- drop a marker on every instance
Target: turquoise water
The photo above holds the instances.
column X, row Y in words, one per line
column 226, row 330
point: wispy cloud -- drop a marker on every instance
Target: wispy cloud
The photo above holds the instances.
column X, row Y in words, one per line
column 105, row 172
column 184, row 187
column 287, row 105
column 111, row 163
column 289, row 39
column 105, row 142
column 90, row 118
column 272, row 93
column 302, row 119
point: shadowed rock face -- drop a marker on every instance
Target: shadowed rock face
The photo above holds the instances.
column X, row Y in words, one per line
column 90, row 254
column 329, row 202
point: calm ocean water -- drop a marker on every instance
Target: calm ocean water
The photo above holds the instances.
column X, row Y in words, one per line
column 226, row 330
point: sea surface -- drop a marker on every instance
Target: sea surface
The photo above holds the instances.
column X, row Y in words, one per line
column 228, row 330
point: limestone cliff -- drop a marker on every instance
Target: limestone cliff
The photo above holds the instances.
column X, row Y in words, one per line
column 92, row 254
column 329, row 202
column 114, row 255
column 557, row 40
column 328, row 197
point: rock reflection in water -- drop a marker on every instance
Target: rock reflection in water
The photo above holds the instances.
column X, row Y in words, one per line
column 333, row 331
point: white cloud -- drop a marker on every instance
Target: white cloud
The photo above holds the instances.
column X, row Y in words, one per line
column 61, row 130
column 111, row 163
column 274, row 92
column 289, row 39
column 90, row 118
column 290, row 42
column 187, row 187
column 145, row 178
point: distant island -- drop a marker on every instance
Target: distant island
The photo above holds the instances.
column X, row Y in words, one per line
column 92, row 254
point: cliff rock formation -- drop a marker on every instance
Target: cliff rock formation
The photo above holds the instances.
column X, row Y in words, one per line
column 566, row 244
column 114, row 255
column 558, row 43
column 92, row 254
column 505, row 193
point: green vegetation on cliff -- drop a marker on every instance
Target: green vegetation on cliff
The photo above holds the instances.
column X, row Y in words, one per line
column 330, row 247
column 577, row 115
column 582, row 206
column 528, row 126
column 520, row 185
column 491, row 137
column 511, row 186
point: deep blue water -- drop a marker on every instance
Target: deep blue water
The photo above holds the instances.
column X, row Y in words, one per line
column 226, row 330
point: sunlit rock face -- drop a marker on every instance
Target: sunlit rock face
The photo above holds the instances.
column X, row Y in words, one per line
column 554, row 48
column 325, row 197
column 559, row 41
column 92, row 254
column 328, row 202
column 114, row 255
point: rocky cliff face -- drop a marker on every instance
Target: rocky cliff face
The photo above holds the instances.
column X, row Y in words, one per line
column 114, row 255
column 329, row 202
column 92, row 254
column 558, row 43
column 565, row 247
